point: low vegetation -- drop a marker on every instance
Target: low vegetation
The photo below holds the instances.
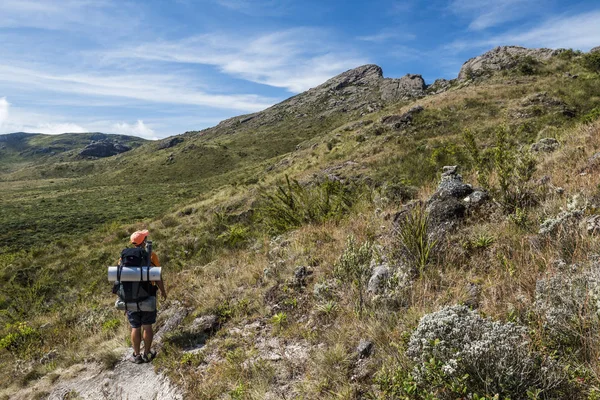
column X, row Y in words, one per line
column 318, row 260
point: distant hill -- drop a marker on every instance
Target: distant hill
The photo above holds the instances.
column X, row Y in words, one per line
column 19, row 148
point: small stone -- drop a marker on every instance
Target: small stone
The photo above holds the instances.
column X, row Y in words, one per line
column 380, row 276
column 365, row 348
column 205, row 323
column 545, row 145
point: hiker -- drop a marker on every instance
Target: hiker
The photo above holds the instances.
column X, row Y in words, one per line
column 143, row 319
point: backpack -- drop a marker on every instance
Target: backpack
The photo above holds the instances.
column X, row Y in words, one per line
column 133, row 292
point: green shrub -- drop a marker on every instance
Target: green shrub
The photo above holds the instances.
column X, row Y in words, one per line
column 292, row 205
column 527, row 65
column 592, row 116
column 20, row 339
column 235, row 236
column 111, row 325
column 414, row 244
column 354, row 267
column 591, row 61
column 514, row 170
column 482, row 167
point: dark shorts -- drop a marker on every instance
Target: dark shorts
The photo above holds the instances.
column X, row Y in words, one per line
column 139, row 318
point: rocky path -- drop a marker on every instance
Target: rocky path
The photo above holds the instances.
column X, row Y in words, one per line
column 126, row 381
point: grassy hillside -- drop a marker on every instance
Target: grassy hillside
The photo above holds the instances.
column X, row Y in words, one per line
column 275, row 228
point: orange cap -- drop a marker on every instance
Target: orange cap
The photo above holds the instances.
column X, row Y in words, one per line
column 138, row 237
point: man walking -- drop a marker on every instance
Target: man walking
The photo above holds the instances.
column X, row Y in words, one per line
column 141, row 321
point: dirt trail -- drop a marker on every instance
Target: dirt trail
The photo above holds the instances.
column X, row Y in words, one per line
column 126, row 381
column 90, row 381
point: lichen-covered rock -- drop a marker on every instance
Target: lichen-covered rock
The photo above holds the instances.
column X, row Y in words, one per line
column 402, row 120
column 365, row 348
column 168, row 143
column 451, row 201
column 501, row 58
column 563, row 220
column 379, row 279
column 477, row 198
column 205, row 323
column 496, row 356
column 592, row 225
column 546, row 145
column 439, row 86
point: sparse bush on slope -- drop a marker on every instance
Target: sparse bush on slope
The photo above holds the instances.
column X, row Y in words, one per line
column 292, row 204
column 458, row 352
column 568, row 304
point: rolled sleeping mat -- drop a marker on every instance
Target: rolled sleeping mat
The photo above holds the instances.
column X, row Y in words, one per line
column 133, row 274
column 148, row 304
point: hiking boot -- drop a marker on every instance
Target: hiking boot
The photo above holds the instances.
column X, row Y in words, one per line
column 148, row 357
column 136, row 359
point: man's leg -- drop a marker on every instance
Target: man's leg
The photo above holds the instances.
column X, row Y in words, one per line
column 136, row 339
column 148, row 336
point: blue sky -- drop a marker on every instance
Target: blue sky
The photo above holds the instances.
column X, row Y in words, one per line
column 159, row 68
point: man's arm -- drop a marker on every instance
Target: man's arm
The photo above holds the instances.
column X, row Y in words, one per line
column 163, row 292
column 154, row 261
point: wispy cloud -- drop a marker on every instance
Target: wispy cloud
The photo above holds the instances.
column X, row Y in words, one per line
column 153, row 88
column 69, row 15
column 490, row 13
column 385, row 35
column 4, row 106
column 260, row 8
column 581, row 31
column 58, row 128
column 138, row 129
column 18, row 120
column 295, row 59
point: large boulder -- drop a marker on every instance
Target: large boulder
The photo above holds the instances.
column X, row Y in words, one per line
column 408, row 87
column 168, row 143
column 452, row 200
column 399, row 121
column 501, row 58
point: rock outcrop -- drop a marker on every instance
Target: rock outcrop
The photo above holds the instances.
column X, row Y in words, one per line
column 402, row 120
column 501, row 58
column 362, row 89
column 545, row 145
column 169, row 142
column 449, row 204
column 103, row 148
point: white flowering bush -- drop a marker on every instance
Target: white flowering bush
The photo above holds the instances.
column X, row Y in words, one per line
column 458, row 351
column 568, row 304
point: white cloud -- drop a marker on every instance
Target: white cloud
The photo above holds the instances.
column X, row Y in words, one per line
column 57, row 128
column 386, row 35
column 489, row 13
column 154, row 88
column 69, row 15
column 581, row 31
column 138, row 129
column 4, row 106
column 295, row 59
column 258, row 8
